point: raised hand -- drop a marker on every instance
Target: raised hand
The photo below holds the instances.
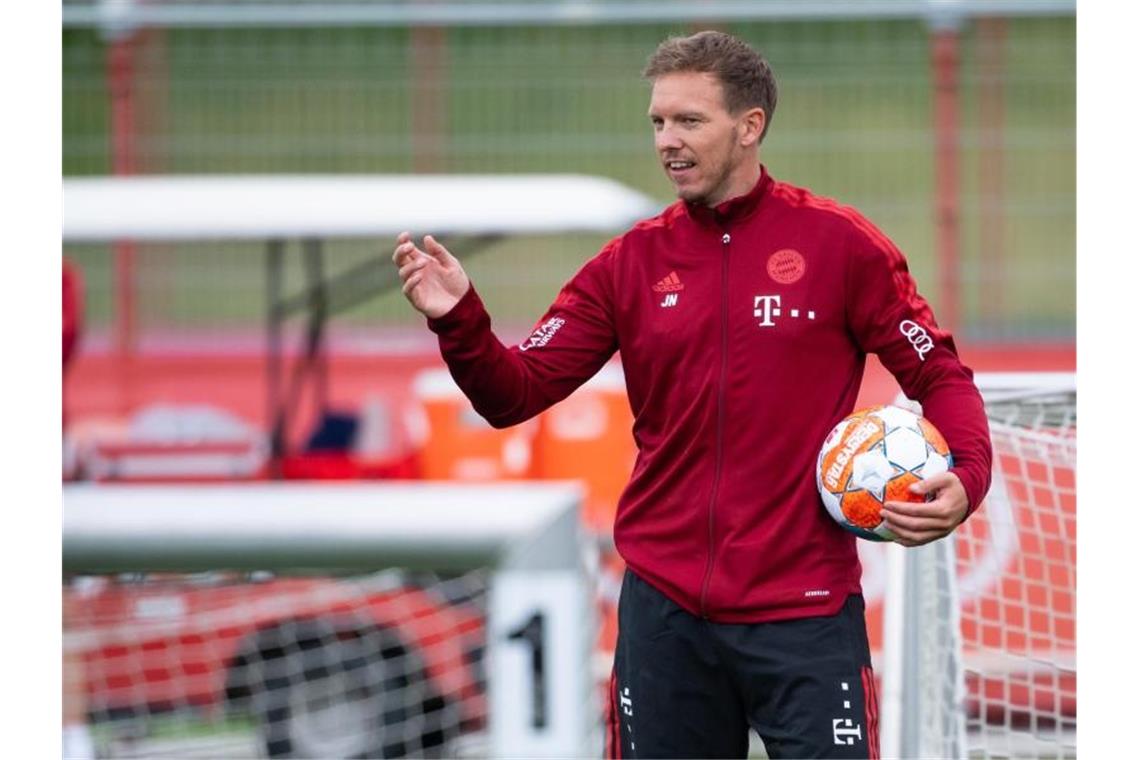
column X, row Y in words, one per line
column 917, row 523
column 434, row 280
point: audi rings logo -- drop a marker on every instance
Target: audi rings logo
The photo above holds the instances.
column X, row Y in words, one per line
column 918, row 337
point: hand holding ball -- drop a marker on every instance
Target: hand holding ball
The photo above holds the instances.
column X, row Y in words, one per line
column 872, row 456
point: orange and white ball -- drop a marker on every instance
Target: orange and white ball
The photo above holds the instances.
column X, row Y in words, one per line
column 872, row 456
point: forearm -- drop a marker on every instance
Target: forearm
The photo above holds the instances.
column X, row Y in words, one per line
column 953, row 404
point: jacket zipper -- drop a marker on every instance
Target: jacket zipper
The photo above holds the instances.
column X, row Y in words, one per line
column 720, row 404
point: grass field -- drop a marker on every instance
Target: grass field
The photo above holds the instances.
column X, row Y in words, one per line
column 853, row 122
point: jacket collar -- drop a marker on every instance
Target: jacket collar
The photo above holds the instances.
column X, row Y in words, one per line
column 734, row 209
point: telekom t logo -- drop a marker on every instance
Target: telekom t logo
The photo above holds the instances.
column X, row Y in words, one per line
column 767, row 308
column 846, row 732
column 626, row 701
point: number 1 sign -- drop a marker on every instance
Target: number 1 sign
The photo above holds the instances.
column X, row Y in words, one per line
column 542, row 703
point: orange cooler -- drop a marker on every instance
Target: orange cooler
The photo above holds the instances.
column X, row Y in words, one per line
column 461, row 445
column 588, row 436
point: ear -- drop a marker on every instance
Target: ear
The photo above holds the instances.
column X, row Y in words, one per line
column 751, row 125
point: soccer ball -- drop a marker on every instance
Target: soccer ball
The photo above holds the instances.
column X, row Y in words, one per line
column 872, row 456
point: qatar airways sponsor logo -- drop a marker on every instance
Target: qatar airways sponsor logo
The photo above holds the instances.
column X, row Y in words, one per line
column 542, row 334
column 918, row 337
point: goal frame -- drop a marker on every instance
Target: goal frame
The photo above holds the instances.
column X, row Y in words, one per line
column 528, row 534
column 917, row 576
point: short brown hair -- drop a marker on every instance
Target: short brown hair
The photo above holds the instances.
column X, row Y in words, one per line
column 745, row 77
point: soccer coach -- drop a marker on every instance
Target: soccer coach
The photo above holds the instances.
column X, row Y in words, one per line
column 743, row 313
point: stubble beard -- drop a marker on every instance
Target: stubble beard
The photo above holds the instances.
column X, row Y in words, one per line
column 715, row 187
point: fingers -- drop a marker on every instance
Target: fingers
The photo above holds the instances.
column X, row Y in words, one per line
column 434, row 248
column 433, row 279
column 910, row 508
column 918, row 539
column 914, row 531
column 411, row 282
column 413, row 264
column 405, row 249
column 412, row 272
column 410, row 261
column 404, row 252
column 900, row 516
column 932, row 484
column 916, row 523
column 401, row 252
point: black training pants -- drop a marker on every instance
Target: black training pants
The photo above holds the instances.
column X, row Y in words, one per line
column 686, row 687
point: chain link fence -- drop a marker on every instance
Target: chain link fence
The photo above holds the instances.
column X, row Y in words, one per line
column 854, row 121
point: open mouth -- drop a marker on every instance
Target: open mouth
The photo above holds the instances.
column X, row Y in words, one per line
column 678, row 169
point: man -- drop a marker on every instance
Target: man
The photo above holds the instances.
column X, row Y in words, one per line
column 743, row 313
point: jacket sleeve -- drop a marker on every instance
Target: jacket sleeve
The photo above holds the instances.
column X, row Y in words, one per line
column 890, row 318
column 572, row 341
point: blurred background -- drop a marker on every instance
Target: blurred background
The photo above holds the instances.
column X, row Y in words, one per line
column 858, row 119
column 953, row 133
column 950, row 125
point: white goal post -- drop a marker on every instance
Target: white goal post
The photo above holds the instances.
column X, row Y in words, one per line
column 539, row 620
column 979, row 649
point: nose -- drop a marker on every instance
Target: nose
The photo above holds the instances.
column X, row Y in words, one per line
column 665, row 139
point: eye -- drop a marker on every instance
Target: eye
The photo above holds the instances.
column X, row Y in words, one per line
column 657, row 121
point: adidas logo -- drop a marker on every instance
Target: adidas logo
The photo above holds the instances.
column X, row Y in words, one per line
column 670, row 284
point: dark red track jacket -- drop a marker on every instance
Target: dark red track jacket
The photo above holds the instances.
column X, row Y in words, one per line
column 743, row 332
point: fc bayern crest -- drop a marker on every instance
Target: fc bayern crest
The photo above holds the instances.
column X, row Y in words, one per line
column 786, row 266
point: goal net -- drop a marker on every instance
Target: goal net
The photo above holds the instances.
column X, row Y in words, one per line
column 328, row 622
column 980, row 630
